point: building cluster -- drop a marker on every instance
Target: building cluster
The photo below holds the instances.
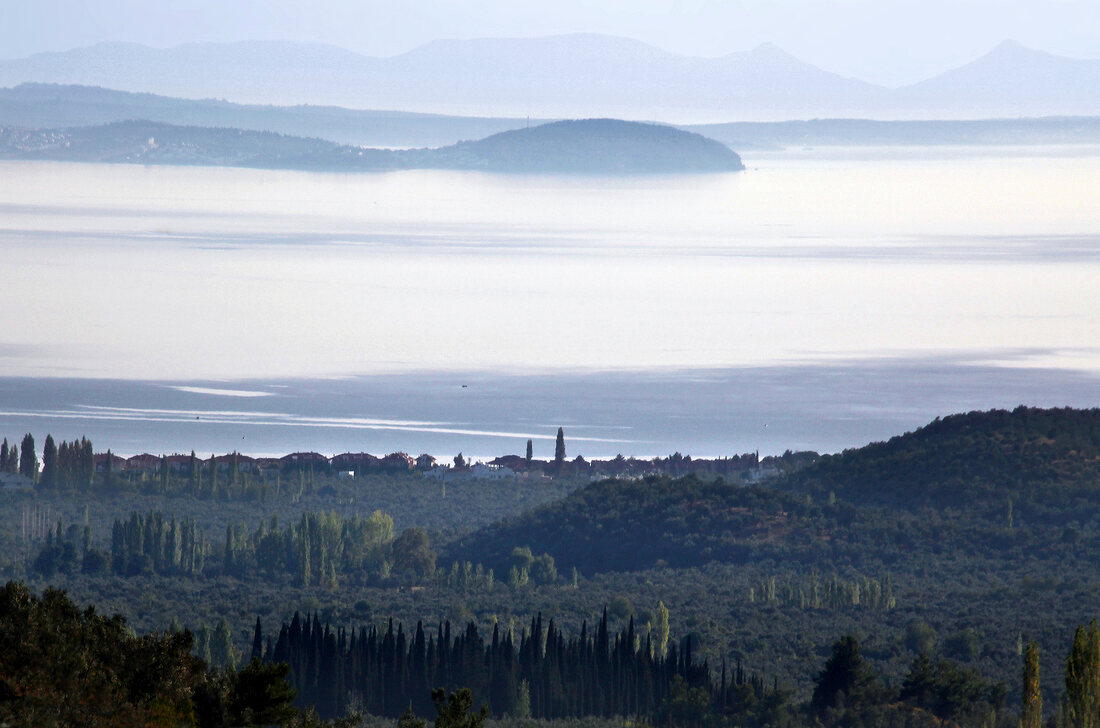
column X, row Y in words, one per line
column 349, row 462
column 749, row 467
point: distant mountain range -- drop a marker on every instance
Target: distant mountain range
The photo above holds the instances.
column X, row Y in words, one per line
column 571, row 76
column 592, row 146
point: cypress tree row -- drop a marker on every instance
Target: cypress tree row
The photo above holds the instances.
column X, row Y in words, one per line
column 544, row 675
column 67, row 466
column 152, row 544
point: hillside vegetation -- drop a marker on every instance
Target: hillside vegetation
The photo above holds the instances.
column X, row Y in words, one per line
column 988, row 482
column 961, row 540
column 967, row 459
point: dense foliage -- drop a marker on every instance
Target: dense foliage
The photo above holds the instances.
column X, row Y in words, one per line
column 60, row 665
column 963, row 541
column 539, row 673
column 1025, row 454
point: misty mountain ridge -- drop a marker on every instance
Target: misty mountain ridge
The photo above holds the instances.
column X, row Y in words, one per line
column 1021, row 78
column 579, row 76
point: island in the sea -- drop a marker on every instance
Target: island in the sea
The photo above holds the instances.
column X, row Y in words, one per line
column 588, row 146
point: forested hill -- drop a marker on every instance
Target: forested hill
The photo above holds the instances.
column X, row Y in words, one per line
column 996, row 483
column 968, row 459
column 594, row 146
column 617, row 525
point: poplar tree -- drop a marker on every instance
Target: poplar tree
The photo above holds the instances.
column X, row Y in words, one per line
column 559, row 449
column 222, row 650
column 530, row 451
column 1083, row 678
column 1031, row 712
column 662, row 630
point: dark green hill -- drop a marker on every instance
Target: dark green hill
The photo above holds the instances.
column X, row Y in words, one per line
column 617, row 525
column 594, row 146
column 966, row 459
column 1001, row 484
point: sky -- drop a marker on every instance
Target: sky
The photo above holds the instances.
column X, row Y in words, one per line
column 891, row 42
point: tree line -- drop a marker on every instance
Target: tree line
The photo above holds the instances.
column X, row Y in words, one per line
column 539, row 673
column 320, row 549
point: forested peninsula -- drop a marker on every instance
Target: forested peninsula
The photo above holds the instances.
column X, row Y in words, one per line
column 589, row 146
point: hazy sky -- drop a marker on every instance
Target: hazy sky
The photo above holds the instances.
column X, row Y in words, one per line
column 885, row 41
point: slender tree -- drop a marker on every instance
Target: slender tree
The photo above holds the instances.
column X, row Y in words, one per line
column 49, row 462
column 662, row 630
column 257, row 641
column 1031, row 712
column 529, row 457
column 1083, row 678
column 559, row 449
column 28, row 460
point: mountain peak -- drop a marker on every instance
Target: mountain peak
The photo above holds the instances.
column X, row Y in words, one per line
column 1014, row 50
column 769, row 48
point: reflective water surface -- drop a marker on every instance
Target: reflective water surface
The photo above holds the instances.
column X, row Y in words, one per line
column 834, row 260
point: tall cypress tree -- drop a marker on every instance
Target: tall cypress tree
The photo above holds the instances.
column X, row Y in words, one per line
column 257, row 641
column 108, row 470
column 559, row 449
column 28, row 460
column 87, row 462
column 49, row 462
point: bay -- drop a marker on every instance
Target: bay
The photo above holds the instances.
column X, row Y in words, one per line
column 978, row 269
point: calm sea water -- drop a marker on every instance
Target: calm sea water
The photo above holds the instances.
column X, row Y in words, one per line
column 876, row 288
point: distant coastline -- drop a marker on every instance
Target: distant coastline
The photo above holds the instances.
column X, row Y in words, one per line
column 66, row 108
column 589, row 146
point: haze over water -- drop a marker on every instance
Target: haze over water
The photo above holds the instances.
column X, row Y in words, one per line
column 820, row 261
